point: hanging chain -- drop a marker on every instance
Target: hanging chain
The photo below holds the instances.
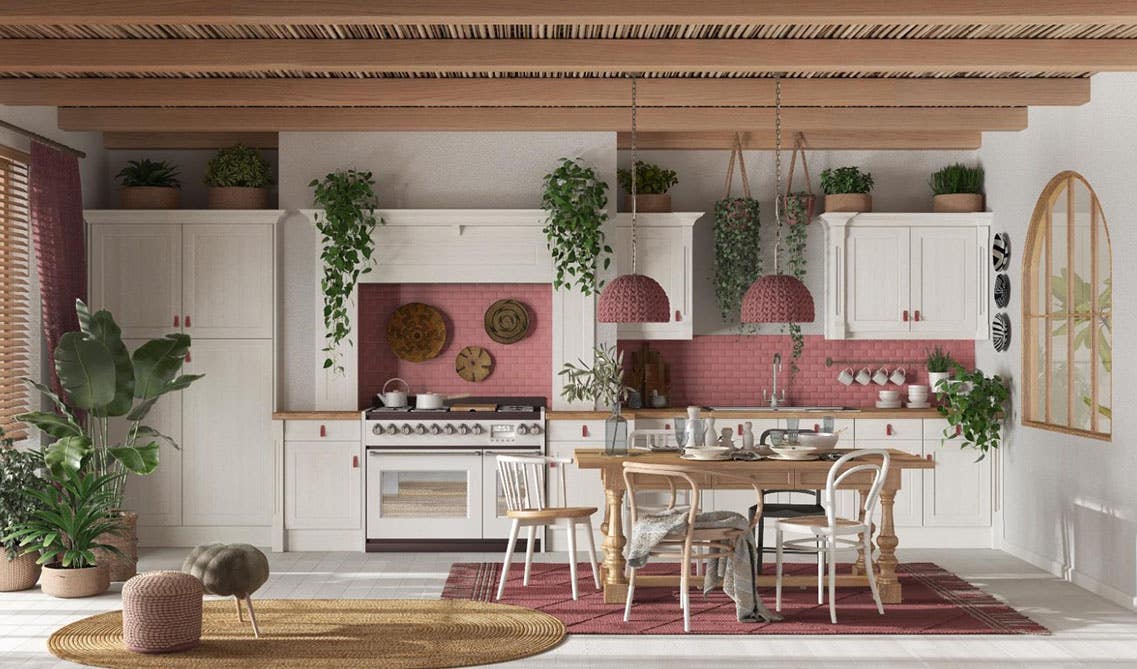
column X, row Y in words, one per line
column 634, row 170
column 777, row 170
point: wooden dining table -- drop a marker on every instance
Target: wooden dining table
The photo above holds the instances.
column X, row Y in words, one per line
column 767, row 474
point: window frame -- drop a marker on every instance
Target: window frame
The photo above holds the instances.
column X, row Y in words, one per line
column 16, row 331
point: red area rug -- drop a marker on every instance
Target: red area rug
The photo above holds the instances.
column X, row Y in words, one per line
column 935, row 602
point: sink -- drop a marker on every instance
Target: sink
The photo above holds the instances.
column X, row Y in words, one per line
column 777, row 409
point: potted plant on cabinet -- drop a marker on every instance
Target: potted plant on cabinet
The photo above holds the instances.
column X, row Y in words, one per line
column 110, row 384
column 602, row 382
column 149, row 184
column 974, row 408
column 19, row 471
column 575, row 198
column 940, row 366
column 652, row 184
column 238, row 178
column 957, row 189
column 847, row 189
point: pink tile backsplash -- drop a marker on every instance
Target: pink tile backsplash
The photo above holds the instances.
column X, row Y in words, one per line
column 732, row 370
column 523, row 368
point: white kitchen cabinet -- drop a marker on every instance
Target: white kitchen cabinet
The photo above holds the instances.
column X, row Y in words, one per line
column 664, row 247
column 906, row 276
column 124, row 258
column 908, row 507
column 157, row 498
column 584, row 489
column 323, row 485
column 957, row 493
column 228, row 281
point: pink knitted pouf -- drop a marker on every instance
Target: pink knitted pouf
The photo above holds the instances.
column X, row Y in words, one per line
column 161, row 612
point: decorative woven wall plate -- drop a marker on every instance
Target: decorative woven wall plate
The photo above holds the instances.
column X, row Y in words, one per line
column 507, row 321
column 1002, row 291
column 1001, row 252
column 416, row 332
column 474, row 363
column 1001, row 332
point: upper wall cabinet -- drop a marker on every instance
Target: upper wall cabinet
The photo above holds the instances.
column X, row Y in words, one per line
column 906, row 276
column 664, row 246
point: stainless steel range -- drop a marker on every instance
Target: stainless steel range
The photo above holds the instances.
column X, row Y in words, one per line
column 432, row 478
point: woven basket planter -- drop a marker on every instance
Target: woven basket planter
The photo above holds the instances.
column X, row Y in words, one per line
column 124, row 567
column 647, row 203
column 150, row 197
column 20, row 573
column 957, row 203
column 161, row 612
column 71, row 583
column 235, row 197
column 848, row 202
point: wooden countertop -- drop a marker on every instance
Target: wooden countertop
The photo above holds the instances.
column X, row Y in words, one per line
column 316, row 415
column 681, row 411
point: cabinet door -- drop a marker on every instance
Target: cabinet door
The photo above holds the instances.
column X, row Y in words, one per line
column 945, row 282
column 322, row 485
column 957, row 493
column 662, row 253
column 877, row 277
column 582, row 487
column 157, row 497
column 136, row 273
column 907, row 508
column 228, row 281
column 227, row 476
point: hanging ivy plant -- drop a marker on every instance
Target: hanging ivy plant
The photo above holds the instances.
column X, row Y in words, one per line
column 575, row 198
column 796, row 215
column 738, row 251
column 346, row 224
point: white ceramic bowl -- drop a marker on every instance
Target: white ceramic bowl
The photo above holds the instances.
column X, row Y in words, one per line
column 918, row 389
column 707, row 452
column 818, row 441
column 889, row 395
column 794, row 450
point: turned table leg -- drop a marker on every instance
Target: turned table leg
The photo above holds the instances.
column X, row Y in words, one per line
column 886, row 541
column 615, row 584
column 859, row 565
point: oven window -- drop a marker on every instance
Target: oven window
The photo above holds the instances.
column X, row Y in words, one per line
column 409, row 494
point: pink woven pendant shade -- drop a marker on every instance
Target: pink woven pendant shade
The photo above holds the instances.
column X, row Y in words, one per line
column 633, row 298
column 777, row 298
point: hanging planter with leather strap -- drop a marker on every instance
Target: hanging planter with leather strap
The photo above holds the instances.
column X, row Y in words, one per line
column 738, row 248
column 799, row 207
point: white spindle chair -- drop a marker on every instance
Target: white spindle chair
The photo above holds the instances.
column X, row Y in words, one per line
column 828, row 532
column 523, row 479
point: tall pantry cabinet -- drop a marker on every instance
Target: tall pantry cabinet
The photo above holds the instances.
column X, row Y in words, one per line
column 211, row 275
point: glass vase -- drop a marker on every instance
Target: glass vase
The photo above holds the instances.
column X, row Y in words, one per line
column 616, row 434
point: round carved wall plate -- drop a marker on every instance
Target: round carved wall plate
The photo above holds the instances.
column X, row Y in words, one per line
column 474, row 363
column 416, row 332
column 507, row 321
column 1001, row 332
column 1002, row 291
column 1001, row 252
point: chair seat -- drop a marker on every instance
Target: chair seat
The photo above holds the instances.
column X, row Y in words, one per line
column 552, row 513
column 820, row 524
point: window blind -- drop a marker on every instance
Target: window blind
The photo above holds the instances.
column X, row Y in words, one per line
column 15, row 242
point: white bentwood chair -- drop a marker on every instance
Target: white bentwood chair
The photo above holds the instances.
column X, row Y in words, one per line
column 828, row 532
column 523, row 480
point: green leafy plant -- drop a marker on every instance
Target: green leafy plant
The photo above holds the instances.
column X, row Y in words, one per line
column 105, row 380
column 69, row 518
column 650, row 179
column 602, row 381
column 974, row 406
column 957, row 178
column 346, row 225
column 738, row 251
column 842, row 180
column 19, row 471
column 238, row 166
column 797, row 235
column 575, row 198
column 940, row 361
column 148, row 173
column 1083, row 305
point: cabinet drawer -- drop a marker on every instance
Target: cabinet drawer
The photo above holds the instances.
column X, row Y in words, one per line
column 322, row 430
column 577, row 431
column 934, row 429
column 889, row 428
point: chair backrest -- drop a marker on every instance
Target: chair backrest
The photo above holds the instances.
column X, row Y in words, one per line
column 523, row 479
column 677, row 479
column 840, row 471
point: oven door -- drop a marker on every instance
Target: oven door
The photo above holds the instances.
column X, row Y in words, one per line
column 424, row 495
column 495, row 524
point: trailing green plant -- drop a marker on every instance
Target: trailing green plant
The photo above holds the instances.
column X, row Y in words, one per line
column 346, row 225
column 940, row 361
column 650, row 179
column 103, row 379
column 796, row 237
column 19, row 471
column 238, row 166
column 602, row 381
column 738, row 251
column 840, row 180
column 149, row 173
column 575, row 198
column 974, row 405
column 69, row 518
column 957, row 178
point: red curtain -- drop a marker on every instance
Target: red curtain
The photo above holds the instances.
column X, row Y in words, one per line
column 58, row 230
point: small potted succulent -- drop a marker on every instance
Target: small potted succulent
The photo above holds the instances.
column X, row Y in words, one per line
column 847, row 189
column 149, row 184
column 652, row 184
column 940, row 367
column 238, row 178
column 603, row 382
column 957, row 189
column 19, row 471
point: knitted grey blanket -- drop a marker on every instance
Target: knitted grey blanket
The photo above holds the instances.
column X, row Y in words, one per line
column 736, row 573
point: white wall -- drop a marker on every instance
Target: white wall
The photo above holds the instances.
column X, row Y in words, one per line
column 901, row 179
column 43, row 120
column 1070, row 503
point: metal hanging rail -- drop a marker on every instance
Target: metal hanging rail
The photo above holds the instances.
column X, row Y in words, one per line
column 829, row 362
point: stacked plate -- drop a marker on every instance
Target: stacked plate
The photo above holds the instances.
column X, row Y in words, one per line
column 888, row 399
column 918, row 397
column 793, row 452
column 707, row 453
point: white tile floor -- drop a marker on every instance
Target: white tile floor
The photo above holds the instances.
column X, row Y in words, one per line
column 1088, row 631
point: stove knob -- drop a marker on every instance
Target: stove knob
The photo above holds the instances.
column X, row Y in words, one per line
column 377, row 429
column 406, row 429
column 478, row 429
column 464, row 429
column 450, row 429
column 522, row 430
column 434, row 429
column 536, row 429
column 420, row 429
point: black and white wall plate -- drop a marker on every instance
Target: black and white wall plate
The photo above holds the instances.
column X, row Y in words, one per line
column 1001, row 252
column 1001, row 332
column 1002, row 290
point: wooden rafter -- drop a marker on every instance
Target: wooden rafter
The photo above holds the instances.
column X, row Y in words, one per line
column 187, row 140
column 566, row 56
column 951, row 140
column 491, row 92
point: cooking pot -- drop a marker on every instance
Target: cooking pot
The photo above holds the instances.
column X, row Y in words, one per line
column 394, row 399
column 429, row 400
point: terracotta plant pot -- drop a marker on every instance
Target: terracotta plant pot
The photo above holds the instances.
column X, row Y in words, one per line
column 71, row 583
column 659, row 203
column 236, row 197
column 18, row 574
column 848, row 202
column 809, row 208
column 957, row 203
column 124, row 567
column 150, row 197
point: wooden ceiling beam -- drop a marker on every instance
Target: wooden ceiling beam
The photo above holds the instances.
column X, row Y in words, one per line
column 954, row 140
column 269, row 119
column 592, row 12
column 497, row 92
column 152, row 141
column 45, row 56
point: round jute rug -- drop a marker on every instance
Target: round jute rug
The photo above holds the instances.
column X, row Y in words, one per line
column 331, row 633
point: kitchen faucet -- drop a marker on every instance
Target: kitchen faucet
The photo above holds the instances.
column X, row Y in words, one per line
column 773, row 399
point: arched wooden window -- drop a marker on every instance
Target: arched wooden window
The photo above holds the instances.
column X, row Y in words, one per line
column 1067, row 312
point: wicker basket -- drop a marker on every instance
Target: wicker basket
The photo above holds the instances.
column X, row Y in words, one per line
column 236, row 197
column 161, row 612
column 124, row 567
column 649, row 203
column 70, row 583
column 20, row 573
column 150, row 197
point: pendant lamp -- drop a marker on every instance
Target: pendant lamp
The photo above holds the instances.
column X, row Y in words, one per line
column 777, row 297
column 633, row 298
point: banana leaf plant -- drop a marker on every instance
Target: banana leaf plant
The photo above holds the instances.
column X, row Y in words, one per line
column 102, row 381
